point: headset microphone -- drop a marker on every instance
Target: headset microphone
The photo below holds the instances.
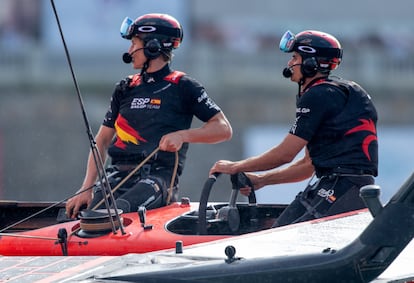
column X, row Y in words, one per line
column 287, row 72
column 127, row 57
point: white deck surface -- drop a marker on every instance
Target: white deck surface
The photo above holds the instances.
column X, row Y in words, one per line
column 291, row 240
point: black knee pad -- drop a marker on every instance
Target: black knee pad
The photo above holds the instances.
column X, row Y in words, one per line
column 147, row 192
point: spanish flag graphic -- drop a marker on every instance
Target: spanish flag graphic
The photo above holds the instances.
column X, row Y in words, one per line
column 155, row 101
column 126, row 134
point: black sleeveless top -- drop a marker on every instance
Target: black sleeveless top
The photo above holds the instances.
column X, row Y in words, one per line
column 338, row 119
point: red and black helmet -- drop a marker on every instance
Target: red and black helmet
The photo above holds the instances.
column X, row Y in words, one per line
column 165, row 28
column 322, row 46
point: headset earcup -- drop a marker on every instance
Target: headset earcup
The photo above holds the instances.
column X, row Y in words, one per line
column 309, row 67
column 152, row 49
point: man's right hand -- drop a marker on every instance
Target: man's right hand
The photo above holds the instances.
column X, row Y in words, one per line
column 74, row 204
column 255, row 180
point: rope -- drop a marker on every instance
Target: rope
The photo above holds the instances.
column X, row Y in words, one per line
column 171, row 188
column 43, row 210
column 28, row 236
column 129, row 175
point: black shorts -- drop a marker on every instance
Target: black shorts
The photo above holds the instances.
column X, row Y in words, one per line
column 329, row 195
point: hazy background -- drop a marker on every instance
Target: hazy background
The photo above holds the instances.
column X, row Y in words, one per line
column 229, row 46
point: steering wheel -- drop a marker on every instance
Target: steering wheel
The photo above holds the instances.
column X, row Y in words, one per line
column 230, row 213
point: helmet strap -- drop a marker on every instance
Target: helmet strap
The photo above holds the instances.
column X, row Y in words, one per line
column 300, row 83
column 145, row 67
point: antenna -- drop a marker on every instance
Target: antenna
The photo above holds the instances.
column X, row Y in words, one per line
column 106, row 187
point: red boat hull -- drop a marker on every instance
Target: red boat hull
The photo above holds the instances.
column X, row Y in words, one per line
column 135, row 239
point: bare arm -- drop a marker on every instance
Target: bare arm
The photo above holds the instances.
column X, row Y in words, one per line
column 103, row 140
column 298, row 171
column 279, row 155
column 215, row 130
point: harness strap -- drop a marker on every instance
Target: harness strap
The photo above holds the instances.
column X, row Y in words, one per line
column 339, row 171
column 311, row 209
